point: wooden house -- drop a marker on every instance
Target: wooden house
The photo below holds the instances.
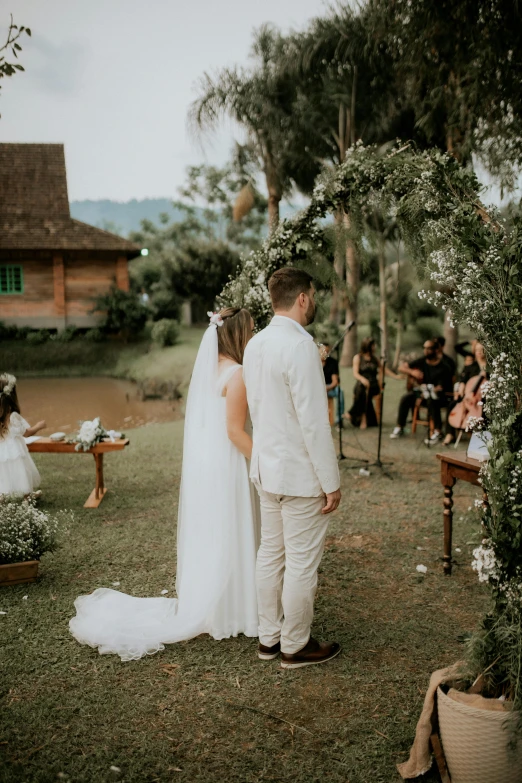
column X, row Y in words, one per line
column 52, row 267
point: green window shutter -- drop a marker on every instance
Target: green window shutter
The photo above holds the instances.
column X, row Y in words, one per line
column 11, row 280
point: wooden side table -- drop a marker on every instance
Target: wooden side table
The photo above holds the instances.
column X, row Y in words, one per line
column 48, row 446
column 453, row 467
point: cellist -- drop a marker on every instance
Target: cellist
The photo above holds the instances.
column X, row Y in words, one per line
column 474, row 369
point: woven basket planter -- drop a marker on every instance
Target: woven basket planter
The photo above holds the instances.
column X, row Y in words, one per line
column 475, row 743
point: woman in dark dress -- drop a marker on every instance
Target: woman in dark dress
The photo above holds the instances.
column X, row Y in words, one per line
column 366, row 371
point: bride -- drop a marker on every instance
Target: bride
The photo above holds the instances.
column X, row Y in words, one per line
column 217, row 519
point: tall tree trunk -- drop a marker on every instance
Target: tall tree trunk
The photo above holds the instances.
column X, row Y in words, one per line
column 351, row 341
column 398, row 340
column 383, row 310
column 454, row 141
column 336, row 302
column 274, row 199
column 451, row 333
column 273, row 186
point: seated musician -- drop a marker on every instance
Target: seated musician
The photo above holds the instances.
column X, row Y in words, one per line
column 474, row 368
column 452, row 364
column 434, row 380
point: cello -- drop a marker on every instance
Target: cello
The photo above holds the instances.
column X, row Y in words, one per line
column 469, row 406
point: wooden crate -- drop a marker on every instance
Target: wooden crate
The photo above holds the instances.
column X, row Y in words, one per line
column 18, row 573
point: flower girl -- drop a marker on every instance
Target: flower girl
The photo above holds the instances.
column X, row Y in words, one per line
column 18, row 473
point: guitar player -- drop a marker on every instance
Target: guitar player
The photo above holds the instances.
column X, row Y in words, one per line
column 435, row 377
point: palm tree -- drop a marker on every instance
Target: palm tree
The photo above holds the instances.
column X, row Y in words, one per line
column 344, row 94
column 259, row 99
column 457, row 66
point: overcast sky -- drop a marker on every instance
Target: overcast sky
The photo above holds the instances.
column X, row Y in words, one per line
column 113, row 79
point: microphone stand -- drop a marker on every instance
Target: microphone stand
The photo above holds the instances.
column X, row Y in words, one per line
column 336, row 347
column 378, row 462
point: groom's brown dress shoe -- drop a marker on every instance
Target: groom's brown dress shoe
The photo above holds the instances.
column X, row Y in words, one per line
column 268, row 653
column 313, row 652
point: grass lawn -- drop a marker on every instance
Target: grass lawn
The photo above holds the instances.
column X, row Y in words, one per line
column 210, row 711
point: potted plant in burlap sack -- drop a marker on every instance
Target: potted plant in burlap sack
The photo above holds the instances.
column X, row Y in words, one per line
column 26, row 534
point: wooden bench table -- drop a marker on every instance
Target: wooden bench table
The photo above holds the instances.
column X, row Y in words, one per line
column 453, row 467
column 48, row 446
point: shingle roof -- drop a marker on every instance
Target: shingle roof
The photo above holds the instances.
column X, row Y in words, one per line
column 34, row 207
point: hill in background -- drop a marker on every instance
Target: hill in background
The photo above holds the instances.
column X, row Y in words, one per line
column 122, row 217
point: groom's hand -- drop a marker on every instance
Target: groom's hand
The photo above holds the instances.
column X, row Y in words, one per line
column 332, row 501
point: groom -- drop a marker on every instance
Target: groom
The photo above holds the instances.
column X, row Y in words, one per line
column 294, row 468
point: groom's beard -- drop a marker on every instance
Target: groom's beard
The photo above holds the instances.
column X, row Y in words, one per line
column 310, row 313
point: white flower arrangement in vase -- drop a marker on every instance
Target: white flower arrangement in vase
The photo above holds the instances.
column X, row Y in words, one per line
column 90, row 433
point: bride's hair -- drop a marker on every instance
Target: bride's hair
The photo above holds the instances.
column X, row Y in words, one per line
column 235, row 333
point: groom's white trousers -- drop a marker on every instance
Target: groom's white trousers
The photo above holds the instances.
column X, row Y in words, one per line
column 293, row 531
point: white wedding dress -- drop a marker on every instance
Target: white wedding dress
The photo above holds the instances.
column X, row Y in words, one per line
column 216, row 544
column 18, row 474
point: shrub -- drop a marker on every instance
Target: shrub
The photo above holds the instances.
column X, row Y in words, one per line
column 165, row 332
column 326, row 332
column 38, row 337
column 8, row 331
column 67, row 334
column 21, row 332
column 95, row 335
column 25, row 532
column 428, row 328
column 122, row 313
column 13, row 332
column 165, row 303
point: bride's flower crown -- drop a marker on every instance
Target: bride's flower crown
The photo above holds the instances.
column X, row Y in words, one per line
column 9, row 386
column 215, row 319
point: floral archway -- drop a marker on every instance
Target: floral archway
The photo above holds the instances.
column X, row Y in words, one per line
column 466, row 249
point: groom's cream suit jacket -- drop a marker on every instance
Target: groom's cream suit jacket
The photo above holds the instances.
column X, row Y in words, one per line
column 293, row 452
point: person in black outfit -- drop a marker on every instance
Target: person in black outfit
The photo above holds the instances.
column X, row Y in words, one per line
column 467, row 353
column 452, row 364
column 436, row 379
column 330, row 370
column 331, row 379
column 366, row 371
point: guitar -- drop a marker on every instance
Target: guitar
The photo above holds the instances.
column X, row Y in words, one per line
column 469, row 405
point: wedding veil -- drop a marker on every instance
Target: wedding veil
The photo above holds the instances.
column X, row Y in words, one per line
column 208, row 509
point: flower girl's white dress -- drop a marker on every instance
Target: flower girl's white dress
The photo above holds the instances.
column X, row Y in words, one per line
column 216, row 542
column 18, row 473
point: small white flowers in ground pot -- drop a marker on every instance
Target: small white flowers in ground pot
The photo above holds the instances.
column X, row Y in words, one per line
column 26, row 533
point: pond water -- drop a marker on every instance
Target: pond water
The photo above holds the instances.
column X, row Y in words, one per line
column 63, row 402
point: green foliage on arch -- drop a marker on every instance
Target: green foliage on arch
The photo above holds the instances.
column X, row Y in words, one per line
column 476, row 264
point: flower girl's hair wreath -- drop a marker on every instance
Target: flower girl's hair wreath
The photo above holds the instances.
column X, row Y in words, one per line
column 8, row 384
